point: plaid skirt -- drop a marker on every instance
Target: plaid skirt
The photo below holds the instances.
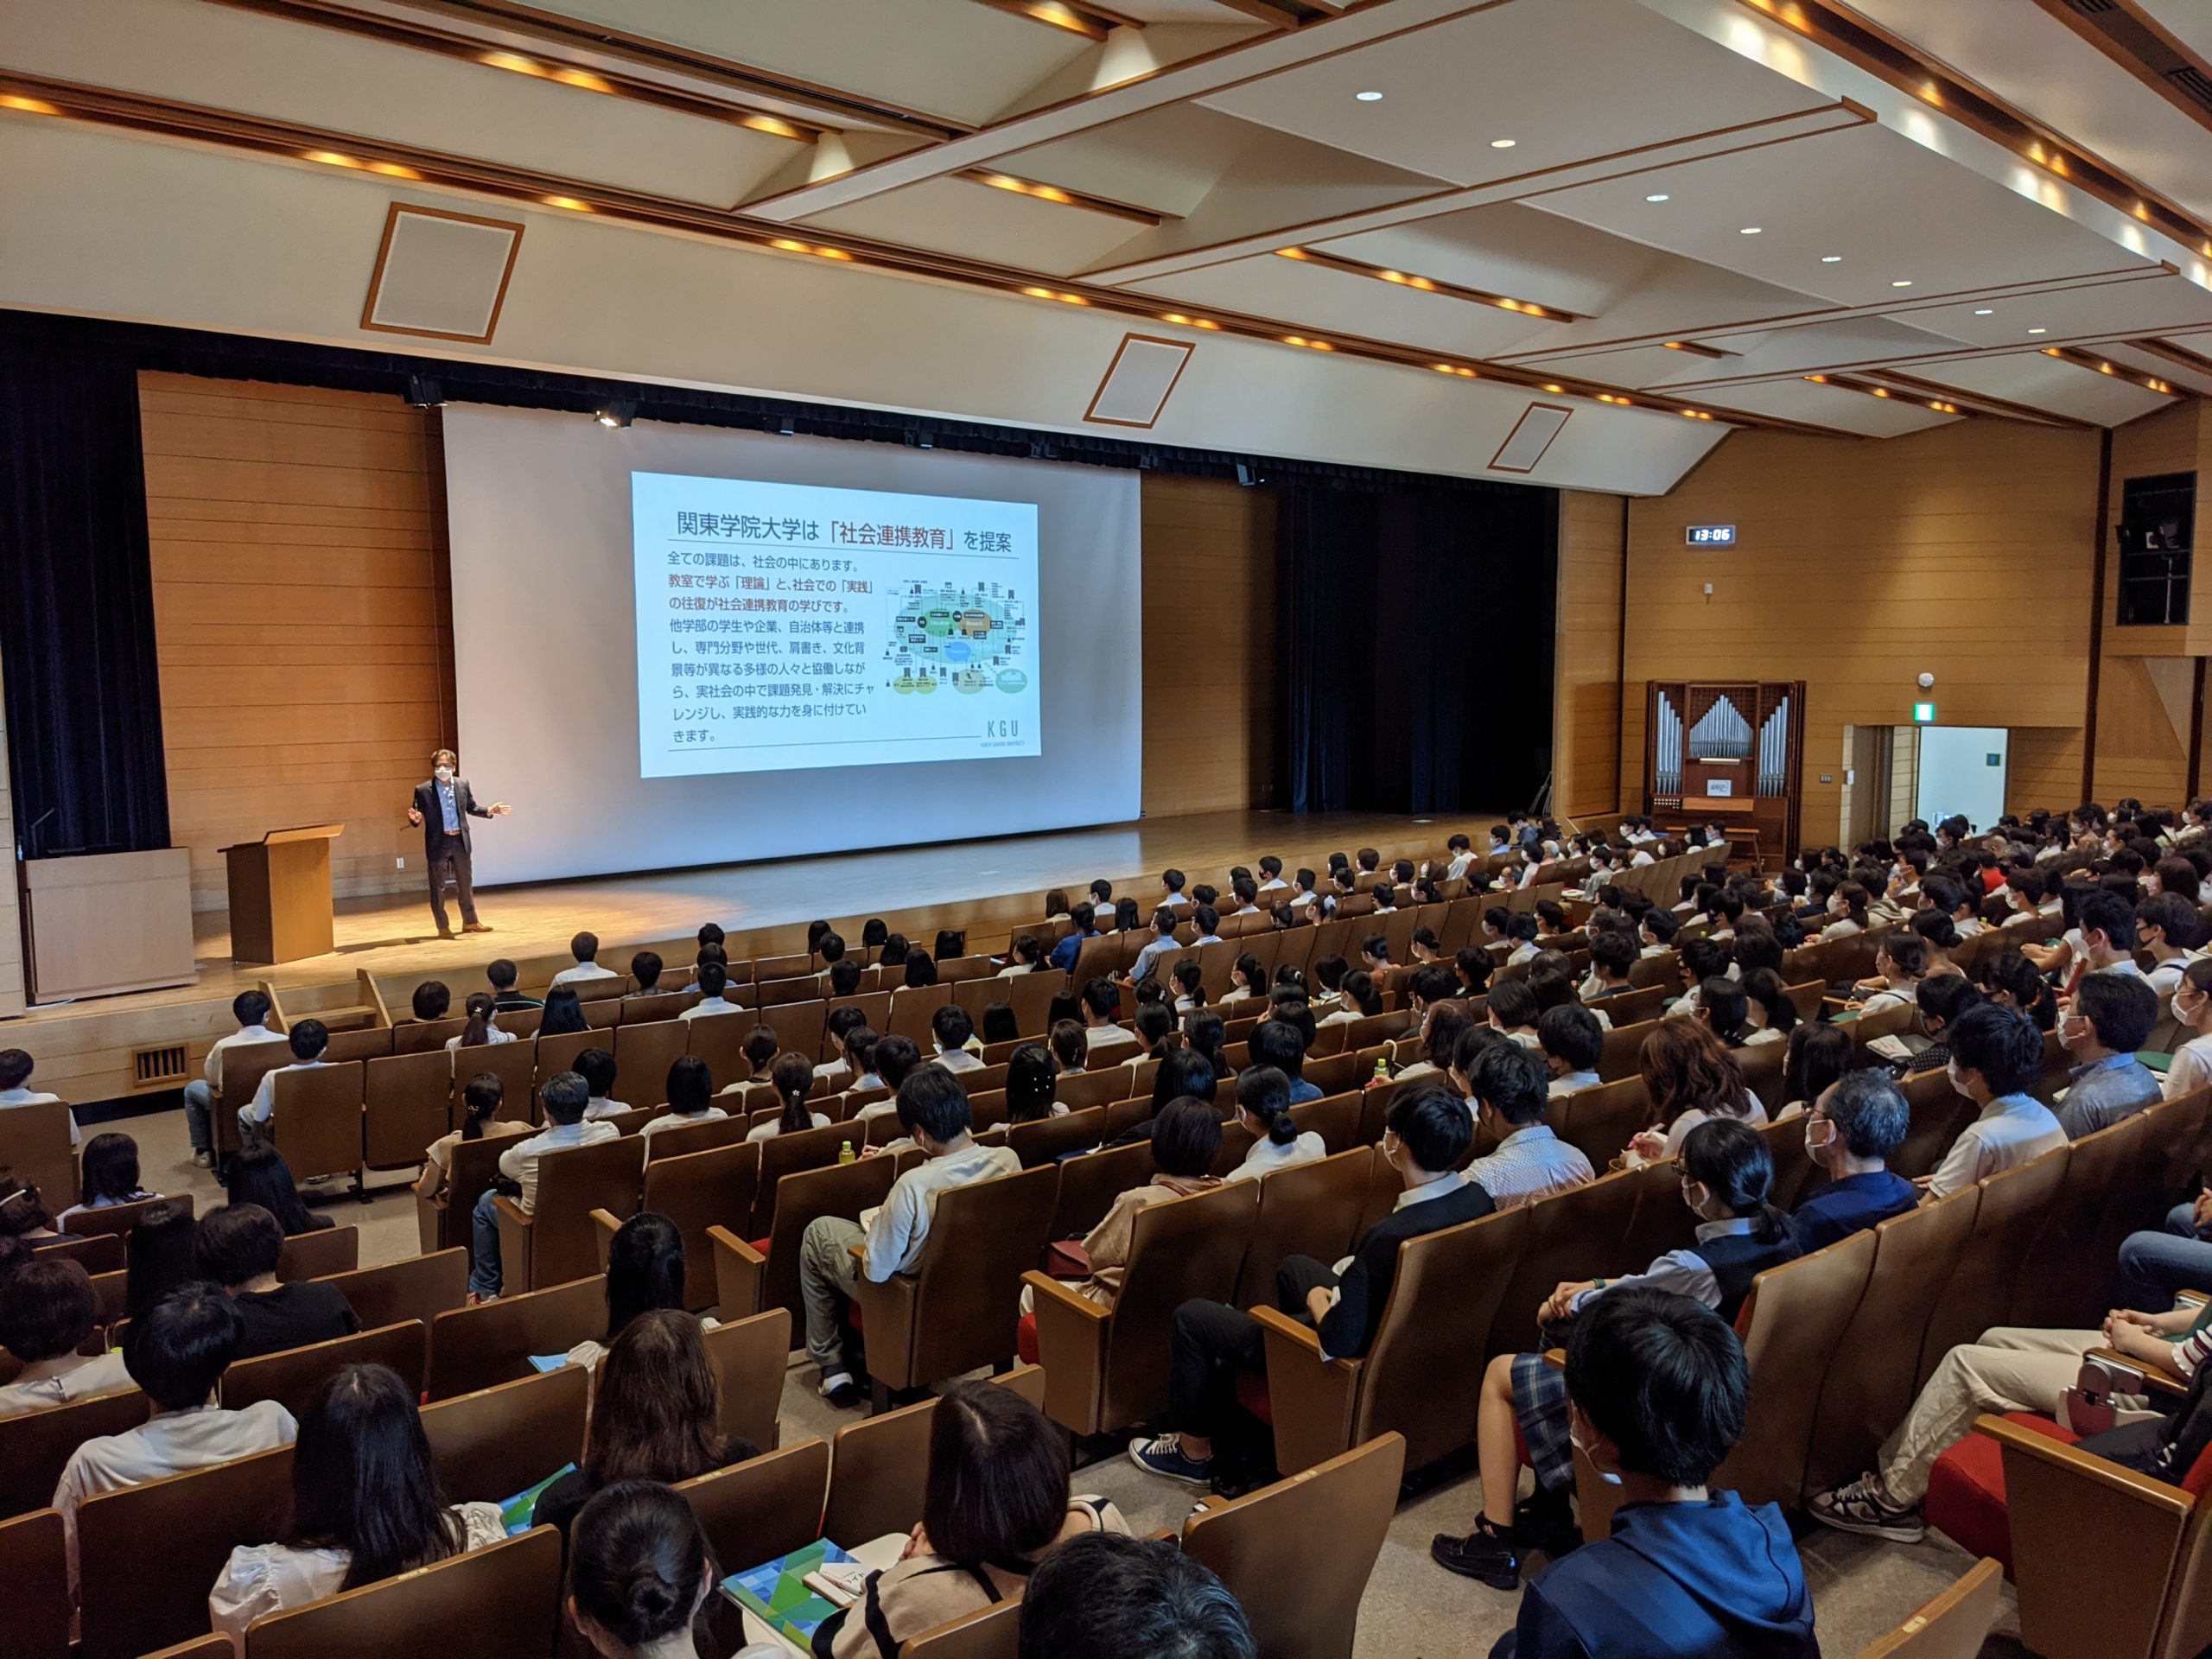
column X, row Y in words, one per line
column 1540, row 1406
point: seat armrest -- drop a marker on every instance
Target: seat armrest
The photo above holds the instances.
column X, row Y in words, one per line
column 1277, row 1325
column 605, row 1224
column 514, row 1245
column 2154, row 1382
column 740, row 1272
column 1313, row 1402
column 2192, row 1298
column 1072, row 1336
column 1555, row 1359
column 2087, row 1466
column 888, row 1314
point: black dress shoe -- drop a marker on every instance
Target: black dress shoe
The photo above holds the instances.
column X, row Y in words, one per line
column 1486, row 1553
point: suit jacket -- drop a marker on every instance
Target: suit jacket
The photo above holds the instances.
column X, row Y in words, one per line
column 1365, row 1291
column 434, row 815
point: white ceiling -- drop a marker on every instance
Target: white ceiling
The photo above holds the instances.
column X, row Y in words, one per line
column 1512, row 153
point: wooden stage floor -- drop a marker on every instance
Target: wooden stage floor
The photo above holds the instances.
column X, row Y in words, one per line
column 992, row 888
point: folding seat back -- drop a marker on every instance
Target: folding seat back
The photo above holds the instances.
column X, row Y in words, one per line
column 1310, row 1210
column 786, row 1154
column 1662, row 1220
column 699, row 1191
column 502, row 1602
column 754, row 1511
column 749, row 1356
column 409, row 1037
column 643, row 1055
column 2014, row 1205
column 96, row 1253
column 1047, row 1140
column 557, row 1053
column 556, row 1242
column 320, row 1254
column 418, row 1287
column 719, row 1043
column 1335, row 1118
column 2064, row 1280
column 116, row 1218
column 1954, row 1625
column 34, row 1448
column 993, row 1632
column 1180, row 1250
column 1571, row 1236
column 515, row 1065
column 833, row 1189
column 654, row 1008
column 1624, row 1050
column 1601, row 1122
column 315, row 1119
column 489, row 1445
column 291, row 1375
column 1890, row 1020
column 1088, row 1186
column 407, row 1103
column 1939, row 1113
column 474, row 1348
column 35, row 1587
column 1761, row 1066
column 471, row 1168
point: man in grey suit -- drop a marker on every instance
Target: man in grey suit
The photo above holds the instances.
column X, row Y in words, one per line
column 442, row 808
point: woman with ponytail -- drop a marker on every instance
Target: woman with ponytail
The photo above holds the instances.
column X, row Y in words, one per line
column 482, row 1029
column 1263, row 1106
column 639, row 1572
column 479, row 1104
column 792, row 1077
column 1726, row 1177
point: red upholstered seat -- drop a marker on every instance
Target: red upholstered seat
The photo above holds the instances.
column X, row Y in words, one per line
column 1025, row 1339
column 762, row 1245
column 1966, row 1491
column 1252, row 1395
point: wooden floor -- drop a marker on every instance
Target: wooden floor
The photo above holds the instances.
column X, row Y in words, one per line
column 85, row 1050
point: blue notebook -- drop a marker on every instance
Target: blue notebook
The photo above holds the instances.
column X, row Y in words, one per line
column 778, row 1594
column 515, row 1513
column 543, row 1362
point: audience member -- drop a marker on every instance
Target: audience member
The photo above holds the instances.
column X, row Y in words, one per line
column 952, row 1028
column 1263, row 1108
column 1107, row 1596
column 564, row 1013
column 563, row 1097
column 1032, row 1083
column 109, row 1176
column 1185, row 1137
column 502, row 976
column 482, row 1028
column 585, row 949
column 260, row 1176
column 793, row 1080
column 2103, row 1025
column 157, row 1256
column 639, row 1571
column 1851, row 1130
column 47, row 1311
column 250, row 1010
column 240, row 1247
column 1508, row 1092
column 307, row 1039
column 1995, row 1056
column 595, row 1065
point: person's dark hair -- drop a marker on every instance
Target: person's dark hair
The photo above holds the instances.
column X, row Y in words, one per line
column 873, row 932
column 2174, row 914
column 2006, row 1047
column 1512, row 1005
column 1031, row 1082
column 563, row 1014
column 1190, row 981
column 1764, row 986
column 951, row 944
column 1276, row 1042
column 478, row 1031
column 997, row 1491
column 1933, row 927
column 250, row 1008
column 1440, row 1036
column 501, row 974
column 1205, row 918
column 1433, row 983
column 1685, row 1065
column 1817, row 1055
column 1250, row 973
column 1614, row 950
column 1474, row 966
column 48, row 1308
column 759, row 1048
column 689, row 1086
column 111, row 1168
column 1185, row 1137
column 1511, row 1082
column 792, row 1078
column 564, row 1096
column 362, row 1479
column 2177, row 875
column 1907, row 951
column 952, row 1025
column 1206, row 1033
column 596, row 1067
column 1102, row 997
column 310, row 1037
column 639, row 1562
column 2121, row 1007
column 1263, row 1093
column 1663, row 925
column 714, row 979
column 830, row 947
column 1172, row 879
column 584, row 947
column 921, row 972
column 1663, row 1378
column 1947, row 996
column 2011, row 972
column 896, row 1057
column 22, row 1209
column 259, row 1176
column 931, row 1101
column 236, row 1243
column 1104, row 1595
column 1071, row 1044
column 430, row 1000
column 1181, row 1072
column 2111, row 915
column 481, row 1096
column 657, row 1412
column 1360, row 989
column 1431, row 1123
column 158, row 1253
column 1572, row 1035
column 644, row 1269
column 1727, row 1009
column 1153, row 1022
column 177, row 1348
column 895, row 950
column 1730, row 1162
column 1869, row 1111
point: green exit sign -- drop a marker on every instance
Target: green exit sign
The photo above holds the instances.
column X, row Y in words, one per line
column 1923, row 713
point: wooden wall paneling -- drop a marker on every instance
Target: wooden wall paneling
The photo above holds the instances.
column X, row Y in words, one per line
column 11, row 932
column 1964, row 550
column 2143, row 728
column 301, row 616
column 1586, row 684
column 1209, row 645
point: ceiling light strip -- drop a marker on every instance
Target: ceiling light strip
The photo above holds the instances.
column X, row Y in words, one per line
column 1890, row 59
column 284, row 141
column 1061, row 195
column 2181, row 356
column 1979, row 402
column 1428, row 284
column 2097, row 363
column 1067, row 15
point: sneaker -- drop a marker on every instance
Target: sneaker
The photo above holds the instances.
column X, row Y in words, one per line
column 1487, row 1554
column 834, row 1384
column 204, row 1159
column 1865, row 1507
column 1166, row 1456
column 477, row 1299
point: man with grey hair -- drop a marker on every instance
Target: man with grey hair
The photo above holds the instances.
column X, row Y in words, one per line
column 1857, row 1124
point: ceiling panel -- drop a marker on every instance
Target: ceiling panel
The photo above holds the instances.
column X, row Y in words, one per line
column 2049, row 383
column 2175, row 374
column 1564, row 81
column 1166, row 159
column 1888, row 210
column 978, row 222
column 1832, row 406
column 2150, row 306
column 2189, row 21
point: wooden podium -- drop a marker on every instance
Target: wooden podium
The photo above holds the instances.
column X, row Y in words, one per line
column 280, row 895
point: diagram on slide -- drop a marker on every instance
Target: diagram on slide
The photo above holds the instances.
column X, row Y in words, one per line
column 971, row 640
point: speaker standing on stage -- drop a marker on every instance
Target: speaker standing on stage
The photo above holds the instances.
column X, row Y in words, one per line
column 443, row 807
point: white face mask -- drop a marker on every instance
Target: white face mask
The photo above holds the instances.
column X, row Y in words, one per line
column 1814, row 1148
column 443, row 774
column 1583, row 1446
column 1958, row 1083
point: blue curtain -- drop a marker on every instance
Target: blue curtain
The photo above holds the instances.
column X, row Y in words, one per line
column 1414, row 650
column 77, row 603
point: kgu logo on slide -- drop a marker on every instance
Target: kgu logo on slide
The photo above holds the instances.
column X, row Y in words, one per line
column 1002, row 729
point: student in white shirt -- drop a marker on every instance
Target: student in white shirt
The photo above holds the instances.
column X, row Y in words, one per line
column 585, row 949
column 2191, row 1007
column 1996, row 1055
column 933, row 1109
column 714, row 980
column 482, row 1030
column 250, row 1010
column 794, row 1080
column 951, row 1029
column 1101, row 1000
column 366, row 1506
column 308, row 1038
column 1271, row 874
column 1573, row 1041
column 896, row 1057
column 1304, row 893
column 1847, row 906
column 1171, row 890
column 563, row 1097
column 481, row 1099
column 1263, row 1106
column 1899, row 963
column 1508, row 1094
column 2106, row 924
column 109, row 1177
column 690, row 1093
column 1514, row 1010
column 15, row 1090
column 176, row 1352
column 45, row 1316
column 2165, row 924
column 596, row 1067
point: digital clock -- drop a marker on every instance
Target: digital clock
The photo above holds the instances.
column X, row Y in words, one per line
column 1710, row 536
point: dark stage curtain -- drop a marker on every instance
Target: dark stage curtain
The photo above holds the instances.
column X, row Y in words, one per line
column 77, row 603
column 1414, row 655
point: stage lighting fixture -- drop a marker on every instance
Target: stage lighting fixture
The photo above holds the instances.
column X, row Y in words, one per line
column 423, row 392
column 620, row 412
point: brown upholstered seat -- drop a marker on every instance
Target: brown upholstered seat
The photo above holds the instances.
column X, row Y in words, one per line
column 35, row 1587
column 116, row 1218
column 556, row 1242
column 958, row 1308
column 1624, row 1047
column 786, row 1154
column 498, row 1603
column 472, row 1348
column 1298, row 1555
column 1954, row 1625
column 1088, row 1186
column 1939, row 1112
column 644, row 1052
column 1107, row 1368
column 320, row 1254
column 2059, row 1283
column 488, row 1445
column 314, row 1119
column 765, row 1507
column 833, row 1189
column 993, row 1632
column 418, row 1287
column 471, row 1167
column 749, row 1356
column 1571, row 1235
column 290, row 1375
column 685, row 1138
column 34, row 1143
column 34, row 1448
column 1602, row 1121
column 1048, row 1139
column 1335, row 1118
column 1313, row 1210
column 96, row 1253
column 2014, row 1205
column 697, row 1191
column 879, row 1468
column 407, row 1103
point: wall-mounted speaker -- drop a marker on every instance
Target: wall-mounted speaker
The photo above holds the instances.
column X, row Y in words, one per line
column 1144, row 370
column 1531, row 435
column 442, row 275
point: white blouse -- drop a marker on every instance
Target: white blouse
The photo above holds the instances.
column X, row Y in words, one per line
column 263, row 1578
column 1266, row 1156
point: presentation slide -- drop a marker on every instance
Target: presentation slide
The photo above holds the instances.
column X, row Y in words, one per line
column 785, row 626
column 684, row 646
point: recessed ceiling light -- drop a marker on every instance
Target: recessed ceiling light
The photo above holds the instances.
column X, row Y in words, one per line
column 1748, row 230
column 2036, row 331
column 1902, row 283
column 1502, row 144
column 1831, row 258
column 1369, row 98
column 1661, row 196
column 1983, row 312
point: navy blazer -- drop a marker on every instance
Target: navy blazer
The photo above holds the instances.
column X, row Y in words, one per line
column 434, row 814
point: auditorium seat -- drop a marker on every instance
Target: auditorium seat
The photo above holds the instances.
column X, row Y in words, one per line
column 1953, row 1626
column 416, row 1288
column 644, row 1052
column 1571, row 1236
column 993, row 1632
column 200, row 1647
column 472, row 1348
column 2014, row 1205
column 655, row 1008
column 1088, row 1186
column 96, row 1253
column 492, row 1444
column 35, row 1587
column 471, row 1167
column 34, row 1448
column 1047, row 1140
column 556, row 1242
column 2063, row 1277
column 1419, row 1376
column 786, row 1154
column 34, row 1143
column 407, row 1103
column 879, row 1468
column 832, row 1190
column 1624, row 1049
column 749, row 1356
column 686, row 1138
column 698, row 1190
column 1307, row 1210
column 315, row 1119
column 1297, row 1553
column 1106, row 1367
column 502, row 1602
column 959, row 1307
column 718, row 1042
column 118, row 1218
column 768, row 1506
column 1939, row 1113
column 1601, row 1122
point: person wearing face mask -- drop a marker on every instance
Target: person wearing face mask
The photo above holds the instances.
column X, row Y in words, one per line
column 1851, row 1132
column 1995, row 1057
column 2103, row 1024
column 2191, row 1007
column 442, row 809
column 1726, row 1175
